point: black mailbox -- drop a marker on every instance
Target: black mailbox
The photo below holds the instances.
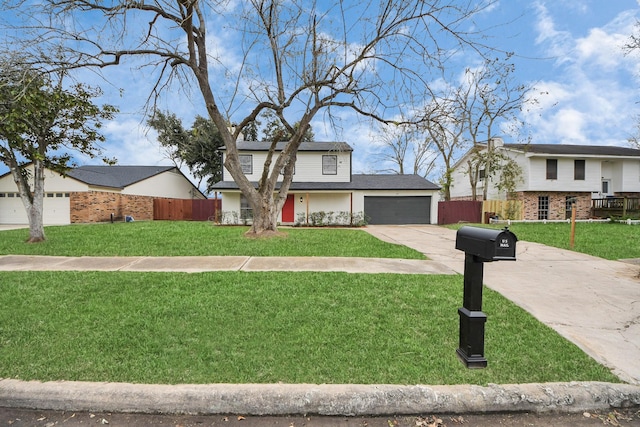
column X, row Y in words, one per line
column 487, row 244
column 480, row 245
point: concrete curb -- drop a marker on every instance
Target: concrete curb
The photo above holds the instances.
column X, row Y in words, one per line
column 325, row 399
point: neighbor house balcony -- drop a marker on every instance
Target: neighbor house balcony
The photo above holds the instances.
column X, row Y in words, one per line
column 615, row 207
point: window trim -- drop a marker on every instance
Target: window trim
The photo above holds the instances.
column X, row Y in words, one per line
column 579, row 173
column 329, row 169
column 552, row 169
column 247, row 168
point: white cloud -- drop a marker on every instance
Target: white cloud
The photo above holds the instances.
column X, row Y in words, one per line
column 590, row 96
column 128, row 142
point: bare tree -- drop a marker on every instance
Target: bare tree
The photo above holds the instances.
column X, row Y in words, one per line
column 443, row 120
column 633, row 45
column 406, row 150
column 493, row 98
column 294, row 58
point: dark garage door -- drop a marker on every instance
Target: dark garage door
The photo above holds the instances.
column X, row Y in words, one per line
column 398, row 210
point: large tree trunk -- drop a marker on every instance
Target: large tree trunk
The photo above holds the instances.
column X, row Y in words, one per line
column 265, row 218
column 33, row 202
column 36, row 227
column 35, row 212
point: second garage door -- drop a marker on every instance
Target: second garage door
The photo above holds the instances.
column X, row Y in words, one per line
column 56, row 209
column 398, row 210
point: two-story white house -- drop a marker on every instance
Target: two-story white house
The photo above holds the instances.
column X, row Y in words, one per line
column 323, row 182
column 554, row 176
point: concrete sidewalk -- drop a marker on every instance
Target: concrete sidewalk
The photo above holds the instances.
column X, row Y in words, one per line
column 592, row 302
column 189, row 264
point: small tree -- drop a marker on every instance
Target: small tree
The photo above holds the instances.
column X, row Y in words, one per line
column 510, row 177
column 275, row 130
column 41, row 122
column 506, row 173
column 198, row 148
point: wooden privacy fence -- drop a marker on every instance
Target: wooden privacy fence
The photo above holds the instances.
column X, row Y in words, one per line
column 455, row 211
column 503, row 209
column 185, row 209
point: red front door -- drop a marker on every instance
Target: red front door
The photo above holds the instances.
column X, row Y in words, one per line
column 288, row 210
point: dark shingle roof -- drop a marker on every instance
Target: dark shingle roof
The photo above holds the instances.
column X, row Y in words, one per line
column 358, row 182
column 115, row 176
column 581, row 150
column 305, row 146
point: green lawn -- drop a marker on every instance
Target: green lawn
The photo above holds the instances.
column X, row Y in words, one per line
column 168, row 238
column 243, row 327
column 236, row 327
column 604, row 240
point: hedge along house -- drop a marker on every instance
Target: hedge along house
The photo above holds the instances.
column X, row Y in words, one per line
column 323, row 186
column 94, row 193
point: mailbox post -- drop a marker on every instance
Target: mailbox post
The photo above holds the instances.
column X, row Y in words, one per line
column 480, row 245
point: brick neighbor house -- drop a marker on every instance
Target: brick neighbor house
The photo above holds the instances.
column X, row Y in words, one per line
column 555, row 176
column 94, row 193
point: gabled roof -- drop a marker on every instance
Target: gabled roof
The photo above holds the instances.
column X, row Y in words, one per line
column 575, row 150
column 305, row 146
column 115, row 176
column 358, row 182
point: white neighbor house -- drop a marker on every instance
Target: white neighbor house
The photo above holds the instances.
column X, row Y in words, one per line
column 556, row 175
column 101, row 181
column 323, row 182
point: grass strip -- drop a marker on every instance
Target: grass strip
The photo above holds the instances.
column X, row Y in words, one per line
column 238, row 327
column 605, row 240
column 183, row 238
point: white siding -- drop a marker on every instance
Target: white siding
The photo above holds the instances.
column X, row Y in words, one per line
column 53, row 182
column 630, row 179
column 170, row 184
column 308, row 167
column 230, row 202
column 460, row 186
column 538, row 176
column 56, row 206
column 318, row 202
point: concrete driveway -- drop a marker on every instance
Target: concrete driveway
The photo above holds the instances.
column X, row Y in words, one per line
column 592, row 302
column 12, row 226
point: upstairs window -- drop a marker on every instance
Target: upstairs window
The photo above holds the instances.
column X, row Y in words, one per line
column 552, row 168
column 246, row 163
column 329, row 165
column 579, row 170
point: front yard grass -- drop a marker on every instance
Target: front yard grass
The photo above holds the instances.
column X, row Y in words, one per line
column 183, row 238
column 605, row 240
column 238, row 327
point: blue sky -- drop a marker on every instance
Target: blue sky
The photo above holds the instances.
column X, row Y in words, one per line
column 569, row 50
